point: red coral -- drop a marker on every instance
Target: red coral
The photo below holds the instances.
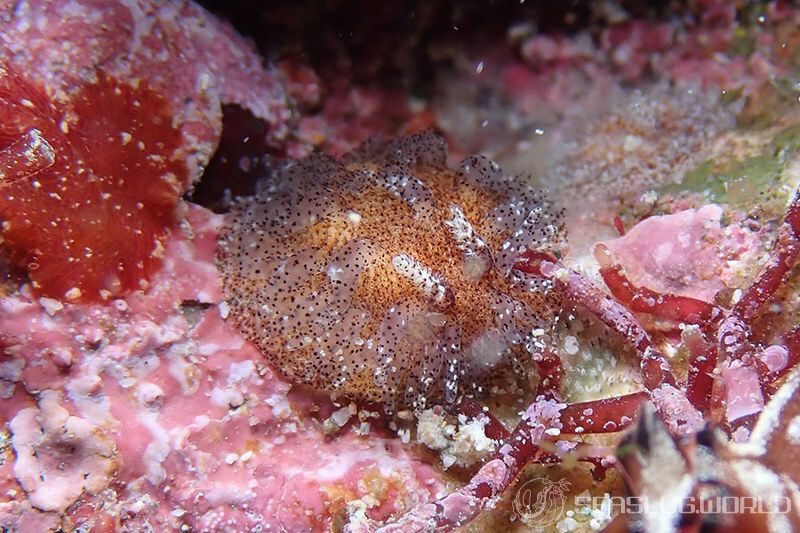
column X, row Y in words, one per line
column 87, row 220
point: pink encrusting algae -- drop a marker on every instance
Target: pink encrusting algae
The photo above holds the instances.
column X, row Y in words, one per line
column 154, row 417
column 687, row 253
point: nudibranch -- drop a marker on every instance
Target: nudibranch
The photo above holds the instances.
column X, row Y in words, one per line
column 388, row 276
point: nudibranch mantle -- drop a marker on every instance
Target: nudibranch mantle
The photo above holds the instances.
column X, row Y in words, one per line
column 387, row 276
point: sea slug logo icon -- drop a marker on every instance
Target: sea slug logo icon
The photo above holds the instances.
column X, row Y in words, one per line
column 540, row 502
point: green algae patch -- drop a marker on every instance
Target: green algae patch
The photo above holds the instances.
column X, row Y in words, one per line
column 743, row 182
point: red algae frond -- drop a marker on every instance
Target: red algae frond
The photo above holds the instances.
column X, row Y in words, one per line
column 89, row 185
column 389, row 276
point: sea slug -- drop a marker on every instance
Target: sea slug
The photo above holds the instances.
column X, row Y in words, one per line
column 388, row 276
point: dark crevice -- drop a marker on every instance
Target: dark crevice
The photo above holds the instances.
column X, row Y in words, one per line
column 241, row 158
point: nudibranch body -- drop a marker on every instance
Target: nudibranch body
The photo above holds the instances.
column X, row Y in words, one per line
column 388, row 276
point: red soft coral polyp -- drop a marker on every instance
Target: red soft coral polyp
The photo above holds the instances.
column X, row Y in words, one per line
column 89, row 185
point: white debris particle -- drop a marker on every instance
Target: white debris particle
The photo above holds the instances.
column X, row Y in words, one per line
column 239, row 371
column 280, row 406
column 73, row 294
column 224, row 310
column 51, row 306
column 434, row 431
column 737, row 295
column 463, row 447
column 405, row 435
column 571, row 345
column 471, row 443
column 231, row 458
column 246, row 456
column 649, row 197
column 341, row 416
column 448, row 460
column 357, row 513
column 226, row 398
